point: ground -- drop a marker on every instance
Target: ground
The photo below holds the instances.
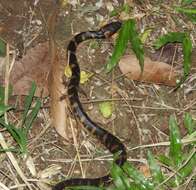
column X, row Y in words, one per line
column 141, row 111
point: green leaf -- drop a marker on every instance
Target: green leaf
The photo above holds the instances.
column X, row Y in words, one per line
column 126, row 8
column 28, row 102
column 113, row 13
column 106, row 109
column 138, row 177
column 169, row 38
column 175, row 151
column 192, row 17
column 127, row 33
column 136, row 43
column 145, row 35
column 2, row 93
column 120, row 46
column 2, row 48
column 186, row 45
column 189, row 167
column 121, row 181
column 188, row 123
column 187, row 50
column 165, row 160
column 155, row 169
column 185, row 10
column 33, row 114
column 3, row 109
column 186, row 2
column 18, row 134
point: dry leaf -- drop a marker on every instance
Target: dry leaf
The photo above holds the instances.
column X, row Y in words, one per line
column 31, row 166
column 145, row 170
column 34, row 66
column 49, row 171
column 154, row 71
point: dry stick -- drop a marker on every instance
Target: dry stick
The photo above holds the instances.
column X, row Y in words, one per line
column 103, row 158
column 167, row 143
column 76, row 147
column 3, row 186
column 189, row 179
column 40, row 134
column 109, row 156
column 2, row 140
column 109, row 100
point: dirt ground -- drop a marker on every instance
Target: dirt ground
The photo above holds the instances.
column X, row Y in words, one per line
column 141, row 111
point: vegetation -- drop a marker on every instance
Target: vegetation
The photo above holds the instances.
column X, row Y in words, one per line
column 166, row 171
column 175, row 167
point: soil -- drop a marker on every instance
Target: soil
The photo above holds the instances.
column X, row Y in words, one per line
column 141, row 111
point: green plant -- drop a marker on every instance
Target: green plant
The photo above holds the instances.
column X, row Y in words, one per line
column 179, row 37
column 127, row 34
column 187, row 8
column 2, row 48
column 181, row 160
column 20, row 133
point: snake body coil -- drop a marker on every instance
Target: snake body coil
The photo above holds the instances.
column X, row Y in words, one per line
column 112, row 143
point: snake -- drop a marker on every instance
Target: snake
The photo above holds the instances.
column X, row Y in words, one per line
column 111, row 142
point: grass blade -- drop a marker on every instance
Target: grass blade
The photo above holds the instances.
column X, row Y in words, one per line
column 18, row 134
column 2, row 48
column 169, row 38
column 186, row 45
column 2, row 93
column 187, row 50
column 175, row 151
column 136, row 43
column 189, row 124
column 31, row 117
column 185, row 10
column 4, row 108
column 28, row 102
column 138, row 177
column 165, row 160
column 121, row 181
column 189, row 167
column 186, row 2
column 155, row 169
column 120, row 46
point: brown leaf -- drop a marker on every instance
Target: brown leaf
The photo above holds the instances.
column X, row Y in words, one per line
column 34, row 66
column 154, row 71
column 145, row 170
column 168, row 54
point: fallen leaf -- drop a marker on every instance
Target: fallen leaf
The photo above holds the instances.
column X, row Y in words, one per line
column 31, row 166
column 34, row 66
column 106, row 109
column 145, row 170
column 154, row 71
column 49, row 171
column 85, row 76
